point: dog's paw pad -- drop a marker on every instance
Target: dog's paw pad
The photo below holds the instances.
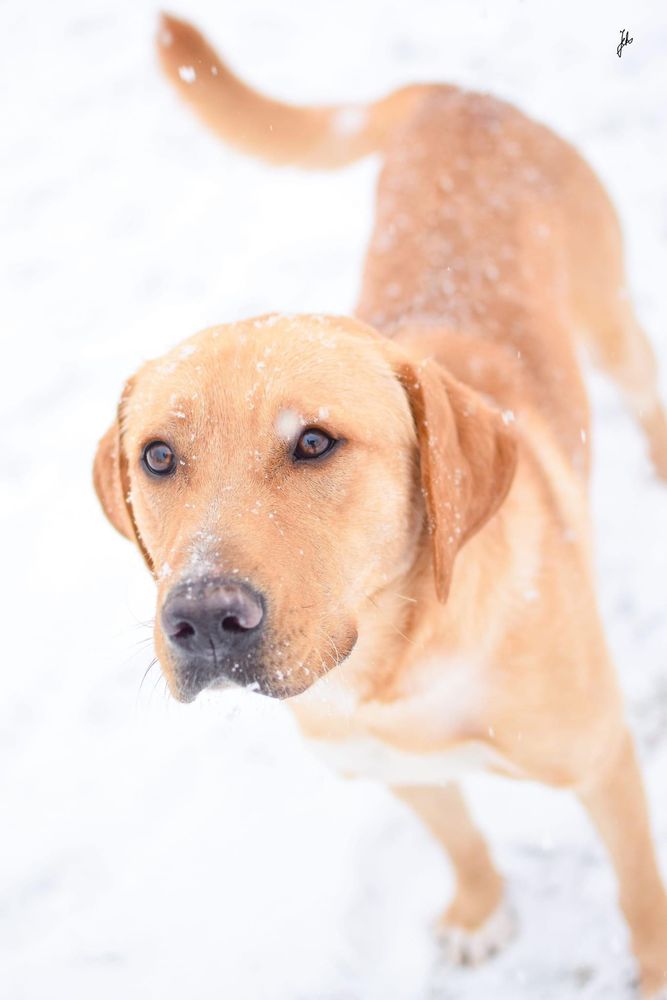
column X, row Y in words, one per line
column 464, row 947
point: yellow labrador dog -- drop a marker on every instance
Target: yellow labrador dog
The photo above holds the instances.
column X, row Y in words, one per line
column 384, row 519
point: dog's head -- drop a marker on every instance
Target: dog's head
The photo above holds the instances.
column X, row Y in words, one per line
column 278, row 473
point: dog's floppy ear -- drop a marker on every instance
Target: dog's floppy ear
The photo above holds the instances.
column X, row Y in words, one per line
column 467, row 459
column 107, row 482
column 108, row 477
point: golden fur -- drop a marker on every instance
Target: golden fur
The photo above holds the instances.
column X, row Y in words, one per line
column 430, row 586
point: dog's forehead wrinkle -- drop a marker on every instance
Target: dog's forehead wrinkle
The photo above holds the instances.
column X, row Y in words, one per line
column 269, row 369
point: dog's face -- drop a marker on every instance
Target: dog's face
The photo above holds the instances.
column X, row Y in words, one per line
column 270, row 473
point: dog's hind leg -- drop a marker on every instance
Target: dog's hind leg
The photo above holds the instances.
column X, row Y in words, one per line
column 478, row 922
column 623, row 351
column 617, row 806
column 605, row 318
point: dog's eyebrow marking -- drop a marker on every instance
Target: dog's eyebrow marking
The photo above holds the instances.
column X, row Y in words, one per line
column 288, row 424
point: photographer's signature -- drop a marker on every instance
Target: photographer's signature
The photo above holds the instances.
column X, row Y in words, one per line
column 625, row 40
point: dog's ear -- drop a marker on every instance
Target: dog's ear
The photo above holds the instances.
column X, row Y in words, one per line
column 109, row 480
column 467, row 459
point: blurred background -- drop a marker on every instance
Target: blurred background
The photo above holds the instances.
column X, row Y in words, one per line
column 150, row 849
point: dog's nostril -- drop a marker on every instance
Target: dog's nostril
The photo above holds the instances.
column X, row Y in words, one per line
column 183, row 631
column 210, row 615
column 230, row 623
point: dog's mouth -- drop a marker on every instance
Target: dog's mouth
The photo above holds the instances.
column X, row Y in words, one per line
column 189, row 678
column 193, row 678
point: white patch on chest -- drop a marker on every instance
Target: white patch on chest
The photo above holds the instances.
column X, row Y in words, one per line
column 368, row 757
column 444, row 698
column 441, row 701
column 441, row 697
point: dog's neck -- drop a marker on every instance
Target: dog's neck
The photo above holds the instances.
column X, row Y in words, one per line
column 405, row 620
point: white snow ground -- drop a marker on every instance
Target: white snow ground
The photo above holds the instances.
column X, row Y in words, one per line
column 154, row 850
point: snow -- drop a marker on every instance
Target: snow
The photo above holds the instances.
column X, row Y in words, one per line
column 158, row 850
column 350, row 121
column 187, row 73
column 288, row 424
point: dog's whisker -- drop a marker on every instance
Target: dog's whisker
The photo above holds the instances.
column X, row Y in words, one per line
column 150, row 623
column 142, row 643
column 391, row 624
column 404, row 597
column 147, row 671
column 141, row 623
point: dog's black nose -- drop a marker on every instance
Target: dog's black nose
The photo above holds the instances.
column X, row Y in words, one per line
column 209, row 617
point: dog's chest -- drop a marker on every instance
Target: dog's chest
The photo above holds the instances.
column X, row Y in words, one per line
column 447, row 703
column 369, row 757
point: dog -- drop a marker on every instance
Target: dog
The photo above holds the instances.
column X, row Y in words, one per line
column 383, row 519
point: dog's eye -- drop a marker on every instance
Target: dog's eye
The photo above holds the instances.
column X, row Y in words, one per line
column 313, row 443
column 158, row 458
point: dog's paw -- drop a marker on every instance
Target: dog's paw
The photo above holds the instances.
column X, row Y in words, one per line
column 660, row 995
column 465, row 947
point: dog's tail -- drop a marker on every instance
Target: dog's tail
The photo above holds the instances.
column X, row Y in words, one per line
column 317, row 137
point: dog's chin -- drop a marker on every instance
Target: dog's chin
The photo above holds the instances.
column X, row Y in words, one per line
column 307, row 678
column 278, row 684
column 270, row 687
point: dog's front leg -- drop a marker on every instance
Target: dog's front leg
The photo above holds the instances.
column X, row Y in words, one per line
column 477, row 923
column 617, row 806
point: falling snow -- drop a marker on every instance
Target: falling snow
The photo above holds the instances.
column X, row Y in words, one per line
column 152, row 849
column 188, row 74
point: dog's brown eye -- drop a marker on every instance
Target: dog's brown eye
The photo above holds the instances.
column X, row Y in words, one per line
column 158, row 458
column 313, row 443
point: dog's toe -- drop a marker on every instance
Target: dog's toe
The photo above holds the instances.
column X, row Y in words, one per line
column 473, row 947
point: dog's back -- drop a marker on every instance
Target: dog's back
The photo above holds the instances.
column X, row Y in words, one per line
column 472, row 238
